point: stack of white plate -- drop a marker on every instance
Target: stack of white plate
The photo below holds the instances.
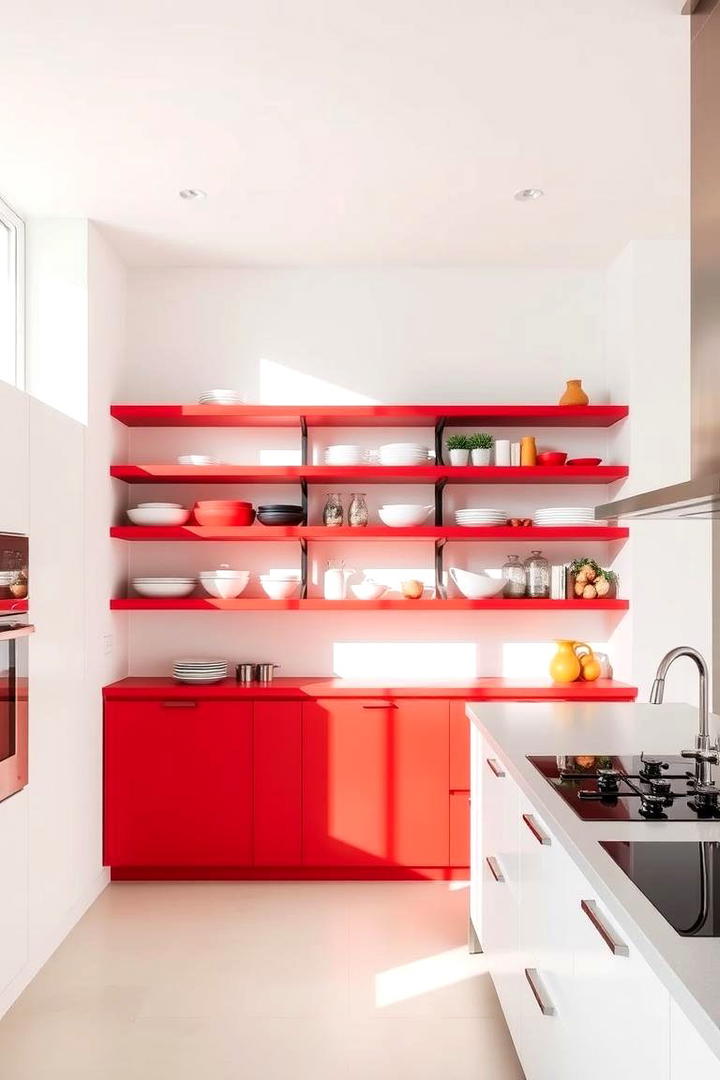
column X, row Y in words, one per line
column 343, row 455
column 168, row 587
column 481, row 516
column 403, row 454
column 200, row 671
column 197, row 459
column 565, row 515
column 222, row 397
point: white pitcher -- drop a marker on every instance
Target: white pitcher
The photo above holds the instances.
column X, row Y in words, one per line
column 335, row 582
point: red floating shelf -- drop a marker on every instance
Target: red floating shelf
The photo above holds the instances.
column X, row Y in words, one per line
column 367, row 474
column 203, row 603
column 13, row 607
column 367, row 415
column 261, row 534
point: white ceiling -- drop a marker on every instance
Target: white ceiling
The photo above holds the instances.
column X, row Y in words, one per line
column 347, row 131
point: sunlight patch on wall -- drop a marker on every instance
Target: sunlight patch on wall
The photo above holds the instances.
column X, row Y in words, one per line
column 426, row 975
column 282, row 385
column 394, row 660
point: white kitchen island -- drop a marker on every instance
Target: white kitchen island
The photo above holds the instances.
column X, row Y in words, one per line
column 608, row 987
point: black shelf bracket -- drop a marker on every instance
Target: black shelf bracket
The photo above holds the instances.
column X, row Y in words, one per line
column 439, row 488
column 304, row 440
column 440, row 425
column 440, row 590
column 304, row 494
column 303, row 568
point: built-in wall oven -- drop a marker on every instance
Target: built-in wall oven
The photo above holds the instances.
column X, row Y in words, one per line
column 15, row 631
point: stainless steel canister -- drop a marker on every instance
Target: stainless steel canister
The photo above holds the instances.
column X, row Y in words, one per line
column 246, row 673
column 265, row 672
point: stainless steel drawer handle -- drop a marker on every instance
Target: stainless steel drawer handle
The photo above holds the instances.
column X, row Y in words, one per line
column 616, row 946
column 179, row 704
column 494, row 767
column 495, row 869
column 540, row 835
column 382, row 705
column 544, row 1003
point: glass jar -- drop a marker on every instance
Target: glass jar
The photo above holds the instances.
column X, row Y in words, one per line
column 513, row 573
column 358, row 511
column 333, row 511
column 537, row 576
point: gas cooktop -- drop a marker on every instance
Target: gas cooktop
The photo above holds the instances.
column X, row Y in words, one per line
column 680, row 879
column 617, row 788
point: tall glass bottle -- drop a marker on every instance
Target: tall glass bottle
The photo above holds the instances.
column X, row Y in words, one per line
column 333, row 511
column 358, row 511
column 513, row 573
column 537, row 575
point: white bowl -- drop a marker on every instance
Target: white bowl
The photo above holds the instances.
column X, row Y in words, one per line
column 403, row 515
column 475, row 586
column 278, row 588
column 223, row 587
column 368, row 590
column 163, row 588
column 224, row 572
column 159, row 515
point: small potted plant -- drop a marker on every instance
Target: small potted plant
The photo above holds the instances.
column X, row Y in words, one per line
column 481, row 445
column 459, row 449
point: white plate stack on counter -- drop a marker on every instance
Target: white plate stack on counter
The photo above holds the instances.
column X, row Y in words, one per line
column 200, row 671
column 565, row 515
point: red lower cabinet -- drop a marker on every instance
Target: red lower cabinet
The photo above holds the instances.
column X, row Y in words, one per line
column 459, row 828
column 376, row 783
column 277, row 767
column 178, row 783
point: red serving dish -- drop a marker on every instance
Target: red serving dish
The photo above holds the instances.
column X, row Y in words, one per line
column 584, row 461
column 551, row 457
column 223, row 514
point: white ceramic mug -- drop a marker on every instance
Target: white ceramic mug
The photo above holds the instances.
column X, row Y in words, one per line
column 502, row 451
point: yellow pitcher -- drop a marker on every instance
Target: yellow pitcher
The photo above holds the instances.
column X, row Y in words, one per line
column 589, row 663
column 565, row 666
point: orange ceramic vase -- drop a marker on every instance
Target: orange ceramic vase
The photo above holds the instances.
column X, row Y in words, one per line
column 528, row 451
column 574, row 393
column 565, row 667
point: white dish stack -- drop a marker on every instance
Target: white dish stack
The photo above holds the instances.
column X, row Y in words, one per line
column 164, row 587
column 343, row 454
column 221, row 397
column 477, row 517
column 200, row 671
column 197, row 459
column 403, row 454
column 550, row 516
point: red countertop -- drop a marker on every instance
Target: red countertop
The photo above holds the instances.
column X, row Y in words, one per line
column 298, row 688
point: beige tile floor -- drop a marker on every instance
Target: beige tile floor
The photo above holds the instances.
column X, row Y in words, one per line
column 264, row 980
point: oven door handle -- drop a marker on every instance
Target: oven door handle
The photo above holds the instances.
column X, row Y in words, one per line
column 17, row 632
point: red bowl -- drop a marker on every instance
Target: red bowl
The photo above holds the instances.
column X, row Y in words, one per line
column 221, row 518
column 551, row 457
column 585, row 461
column 221, row 504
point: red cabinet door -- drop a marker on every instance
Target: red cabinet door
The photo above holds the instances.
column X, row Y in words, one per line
column 277, row 763
column 459, row 747
column 178, row 783
column 375, row 783
column 460, row 828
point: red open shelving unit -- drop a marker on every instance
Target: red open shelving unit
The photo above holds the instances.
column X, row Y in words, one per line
column 262, row 534
column 209, row 603
column 367, row 474
column 598, row 416
column 13, row 607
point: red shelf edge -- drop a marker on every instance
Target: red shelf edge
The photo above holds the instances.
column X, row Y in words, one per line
column 260, row 534
column 189, row 415
column 201, row 603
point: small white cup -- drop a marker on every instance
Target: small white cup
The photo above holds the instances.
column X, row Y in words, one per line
column 502, row 451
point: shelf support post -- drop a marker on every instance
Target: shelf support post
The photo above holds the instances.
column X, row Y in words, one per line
column 304, row 441
column 440, row 591
column 439, row 488
column 440, row 424
column 304, row 493
column 303, row 568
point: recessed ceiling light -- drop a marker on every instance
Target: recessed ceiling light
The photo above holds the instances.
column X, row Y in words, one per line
column 529, row 194
column 192, row 193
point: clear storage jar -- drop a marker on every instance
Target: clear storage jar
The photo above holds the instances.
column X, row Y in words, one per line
column 537, row 576
column 513, row 573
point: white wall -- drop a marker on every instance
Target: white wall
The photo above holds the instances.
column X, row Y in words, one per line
column 58, row 492
column 390, row 335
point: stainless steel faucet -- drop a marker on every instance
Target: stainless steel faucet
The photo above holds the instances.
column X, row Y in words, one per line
column 705, row 754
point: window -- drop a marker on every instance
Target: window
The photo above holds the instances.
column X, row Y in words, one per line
column 12, row 297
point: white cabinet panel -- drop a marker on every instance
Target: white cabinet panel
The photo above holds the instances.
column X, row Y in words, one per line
column 689, row 1054
column 14, row 891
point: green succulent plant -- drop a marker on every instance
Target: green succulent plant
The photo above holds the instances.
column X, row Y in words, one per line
column 481, row 441
column 458, row 442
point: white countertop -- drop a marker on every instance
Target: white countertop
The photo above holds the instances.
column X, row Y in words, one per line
column 689, row 967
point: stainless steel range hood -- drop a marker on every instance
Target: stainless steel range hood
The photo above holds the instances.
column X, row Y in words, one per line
column 700, row 496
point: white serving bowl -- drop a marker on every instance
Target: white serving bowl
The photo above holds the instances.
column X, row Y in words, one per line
column 475, row 586
column 278, row 588
column 163, row 587
column 159, row 515
column 225, row 584
column 403, row 515
column 368, row 590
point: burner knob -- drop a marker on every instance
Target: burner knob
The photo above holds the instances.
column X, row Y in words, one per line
column 660, row 786
column 608, row 779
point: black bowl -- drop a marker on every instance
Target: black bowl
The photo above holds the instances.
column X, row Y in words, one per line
column 279, row 518
column 281, row 508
